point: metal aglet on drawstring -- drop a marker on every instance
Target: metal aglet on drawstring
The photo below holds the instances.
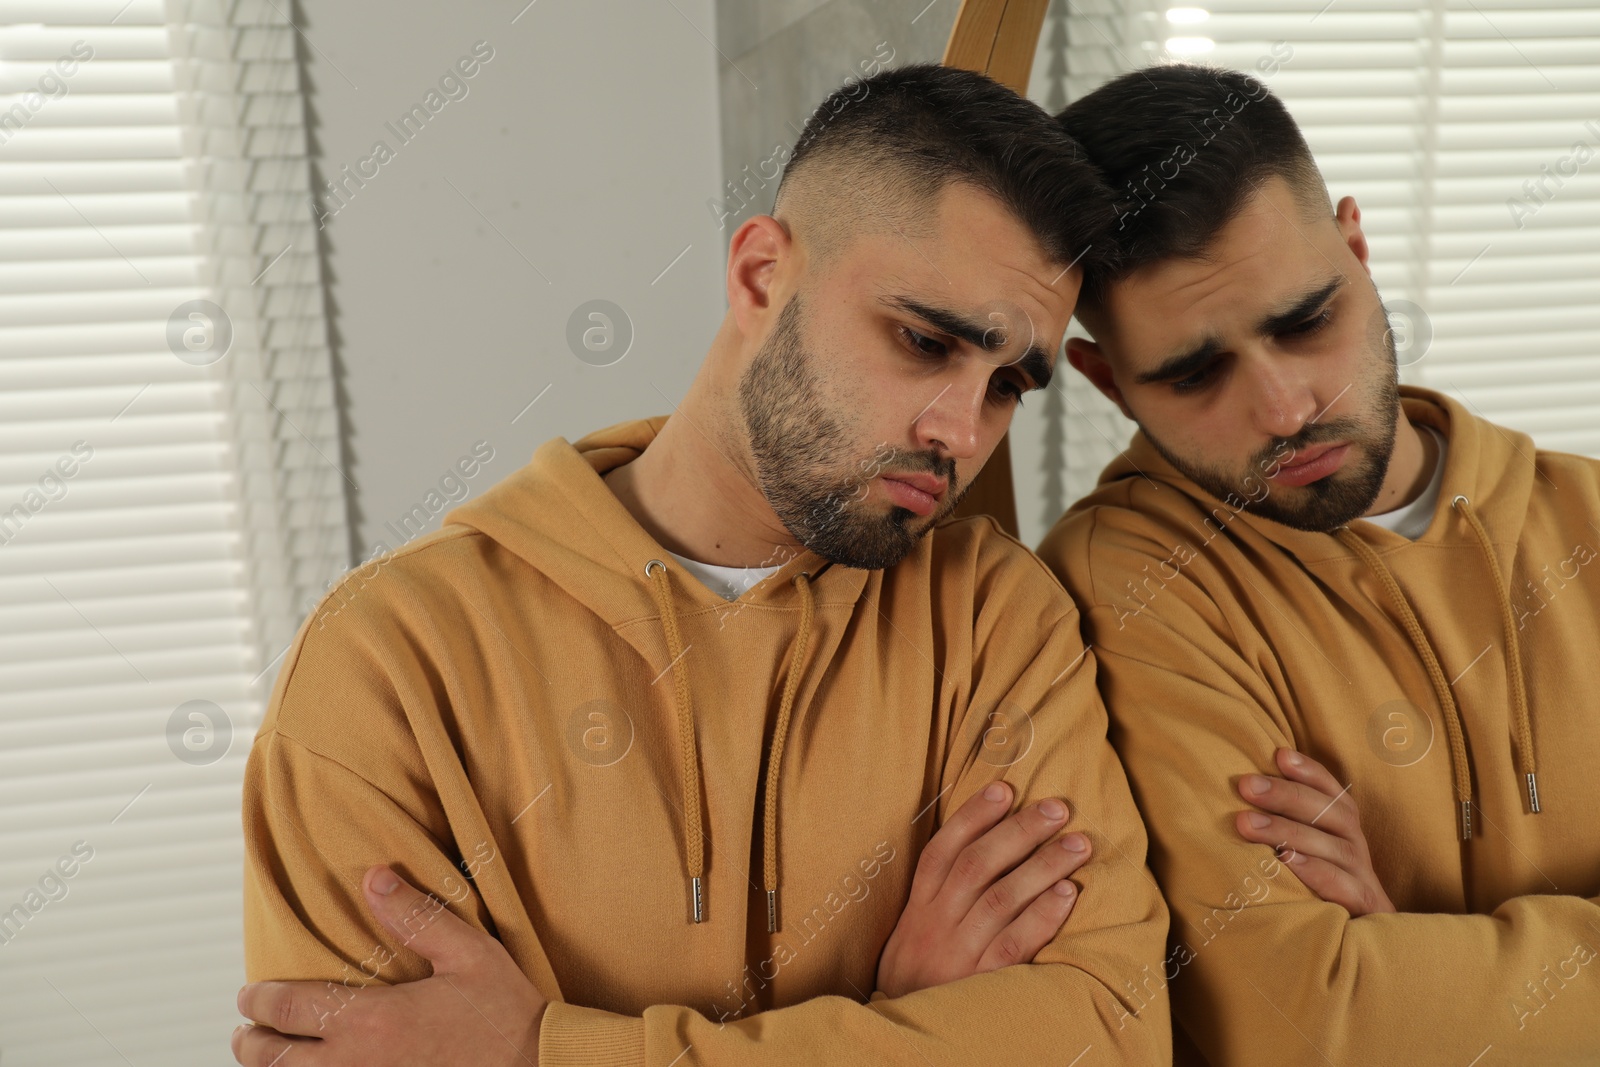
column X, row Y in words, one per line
column 699, row 905
column 1533, row 792
column 1466, row 820
column 772, row 911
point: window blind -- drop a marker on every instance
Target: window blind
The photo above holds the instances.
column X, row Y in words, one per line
column 170, row 497
column 1469, row 133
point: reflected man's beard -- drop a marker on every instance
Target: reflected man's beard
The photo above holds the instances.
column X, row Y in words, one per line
column 819, row 496
column 1330, row 502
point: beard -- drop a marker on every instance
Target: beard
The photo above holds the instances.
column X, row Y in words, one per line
column 1330, row 502
column 795, row 440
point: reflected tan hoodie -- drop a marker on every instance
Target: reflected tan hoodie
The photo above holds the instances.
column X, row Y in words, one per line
column 1448, row 681
column 582, row 750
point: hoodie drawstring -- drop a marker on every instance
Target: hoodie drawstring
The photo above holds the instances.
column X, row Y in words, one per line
column 1515, row 680
column 780, row 733
column 688, row 749
column 1516, row 683
column 1441, row 685
column 694, row 827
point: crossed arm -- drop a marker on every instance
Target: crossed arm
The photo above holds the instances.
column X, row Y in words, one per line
column 947, row 989
column 991, row 889
column 1321, row 964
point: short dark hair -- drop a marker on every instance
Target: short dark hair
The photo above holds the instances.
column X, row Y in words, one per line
column 1183, row 147
column 881, row 149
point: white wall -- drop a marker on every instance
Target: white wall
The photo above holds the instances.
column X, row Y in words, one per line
column 584, row 152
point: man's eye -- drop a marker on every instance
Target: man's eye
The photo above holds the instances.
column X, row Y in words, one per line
column 1009, row 389
column 1311, row 325
column 1195, row 381
column 918, row 341
column 930, row 349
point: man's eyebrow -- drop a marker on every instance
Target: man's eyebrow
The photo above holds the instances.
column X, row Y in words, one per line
column 1182, row 365
column 1302, row 310
column 1035, row 362
column 1176, row 368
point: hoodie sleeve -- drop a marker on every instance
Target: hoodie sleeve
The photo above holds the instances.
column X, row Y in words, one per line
column 322, row 804
column 1262, row 970
column 1034, row 718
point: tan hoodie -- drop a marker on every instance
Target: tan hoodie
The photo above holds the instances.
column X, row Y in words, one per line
column 1425, row 675
column 601, row 743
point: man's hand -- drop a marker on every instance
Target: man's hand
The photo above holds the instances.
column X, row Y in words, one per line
column 478, row 1007
column 1318, row 834
column 983, row 896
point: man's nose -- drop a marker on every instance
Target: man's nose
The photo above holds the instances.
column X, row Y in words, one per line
column 952, row 420
column 1283, row 399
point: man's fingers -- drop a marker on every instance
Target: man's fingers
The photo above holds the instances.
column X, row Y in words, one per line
column 259, row 1046
column 1010, row 896
column 1031, row 931
column 289, row 1007
column 1334, row 813
column 1303, row 839
column 981, row 863
column 1330, row 882
column 974, row 818
column 1300, row 767
column 421, row 921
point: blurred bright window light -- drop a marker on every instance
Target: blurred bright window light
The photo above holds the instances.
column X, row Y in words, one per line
column 1187, row 16
column 1190, row 46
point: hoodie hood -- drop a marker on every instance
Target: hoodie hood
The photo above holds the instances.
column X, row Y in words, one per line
column 1491, row 466
column 1484, row 497
column 593, row 547
column 595, row 550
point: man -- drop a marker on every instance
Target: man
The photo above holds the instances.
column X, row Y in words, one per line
column 696, row 827
column 1309, row 588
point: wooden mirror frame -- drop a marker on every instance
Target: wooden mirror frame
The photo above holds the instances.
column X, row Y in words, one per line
column 997, row 38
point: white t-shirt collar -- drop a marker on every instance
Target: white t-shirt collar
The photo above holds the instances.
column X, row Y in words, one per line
column 1411, row 520
column 730, row 583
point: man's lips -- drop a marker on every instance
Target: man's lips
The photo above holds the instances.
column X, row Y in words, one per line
column 916, row 492
column 1310, row 464
column 926, row 482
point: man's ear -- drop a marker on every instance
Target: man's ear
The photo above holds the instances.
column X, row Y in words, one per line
column 1348, row 217
column 755, row 251
column 1092, row 363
